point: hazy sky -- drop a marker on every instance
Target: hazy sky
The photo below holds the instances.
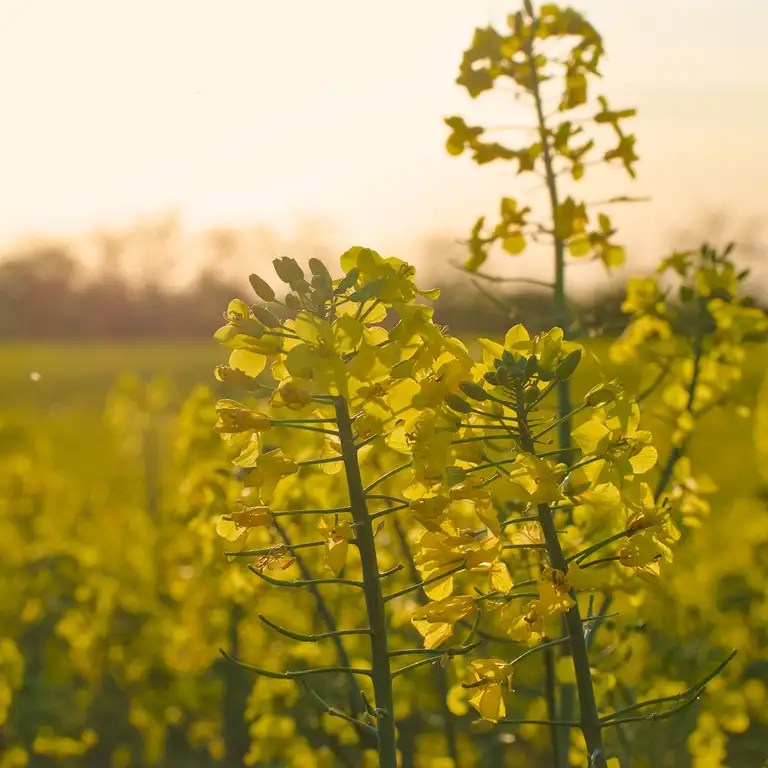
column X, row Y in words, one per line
column 236, row 111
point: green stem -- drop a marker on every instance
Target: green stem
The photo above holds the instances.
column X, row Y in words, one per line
column 293, row 512
column 585, row 553
column 333, row 712
column 425, row 583
column 562, row 318
column 299, row 583
column 679, row 450
column 385, row 476
column 291, row 675
column 686, row 696
column 381, row 672
column 559, row 423
column 303, row 638
column 589, row 719
column 557, row 723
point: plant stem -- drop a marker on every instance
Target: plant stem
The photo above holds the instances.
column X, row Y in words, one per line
column 679, row 450
column 589, row 719
column 561, row 317
column 380, row 667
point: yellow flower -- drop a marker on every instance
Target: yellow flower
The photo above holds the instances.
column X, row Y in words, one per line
column 553, row 592
column 435, row 622
column 430, row 512
column 270, row 469
column 487, row 559
column 486, row 676
column 438, row 554
column 641, row 551
column 291, row 394
column 529, row 627
column 585, row 579
column 337, row 535
column 235, row 417
column 540, row 478
column 233, row 526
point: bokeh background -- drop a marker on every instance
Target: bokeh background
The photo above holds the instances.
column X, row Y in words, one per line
column 153, row 153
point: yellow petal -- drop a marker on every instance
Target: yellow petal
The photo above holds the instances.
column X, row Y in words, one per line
column 499, row 577
column 489, row 702
column 336, row 554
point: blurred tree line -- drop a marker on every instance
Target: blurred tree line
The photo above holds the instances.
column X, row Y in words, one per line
column 125, row 285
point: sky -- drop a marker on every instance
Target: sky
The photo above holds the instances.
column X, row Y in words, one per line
column 242, row 111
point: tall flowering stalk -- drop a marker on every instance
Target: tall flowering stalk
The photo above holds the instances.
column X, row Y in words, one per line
column 357, row 375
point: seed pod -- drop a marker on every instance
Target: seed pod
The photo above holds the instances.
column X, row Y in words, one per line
column 473, row 391
column 262, row 288
column 568, row 365
column 455, row 403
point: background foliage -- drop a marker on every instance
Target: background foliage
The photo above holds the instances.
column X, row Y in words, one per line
column 115, row 595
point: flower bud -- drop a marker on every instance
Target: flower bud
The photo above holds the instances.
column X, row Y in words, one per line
column 455, row 403
column 473, row 391
column 568, row 365
column 262, row 288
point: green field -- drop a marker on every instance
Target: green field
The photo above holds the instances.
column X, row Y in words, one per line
column 60, row 393
column 80, row 375
column 74, row 380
